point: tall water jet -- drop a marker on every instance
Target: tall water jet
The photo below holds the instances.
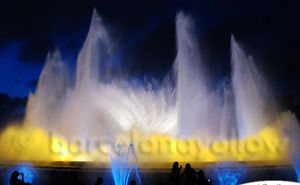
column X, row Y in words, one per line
column 92, row 60
column 253, row 102
column 93, row 57
column 44, row 107
column 198, row 107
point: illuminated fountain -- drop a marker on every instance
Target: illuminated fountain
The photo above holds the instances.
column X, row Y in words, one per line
column 121, row 168
column 185, row 121
column 228, row 176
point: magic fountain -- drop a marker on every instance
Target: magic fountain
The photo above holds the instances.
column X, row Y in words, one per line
column 185, row 119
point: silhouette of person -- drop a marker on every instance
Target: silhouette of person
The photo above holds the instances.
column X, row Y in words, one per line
column 175, row 173
column 188, row 175
column 202, row 180
column 14, row 179
column 99, row 181
column 132, row 182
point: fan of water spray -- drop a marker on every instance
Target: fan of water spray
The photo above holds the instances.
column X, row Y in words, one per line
column 228, row 174
column 107, row 105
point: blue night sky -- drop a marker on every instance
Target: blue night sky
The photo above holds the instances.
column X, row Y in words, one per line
column 15, row 76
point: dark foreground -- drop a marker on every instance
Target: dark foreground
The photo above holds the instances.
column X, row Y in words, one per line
column 88, row 175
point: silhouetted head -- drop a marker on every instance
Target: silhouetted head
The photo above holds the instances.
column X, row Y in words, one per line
column 175, row 164
column 99, row 180
column 132, row 182
column 14, row 175
column 188, row 166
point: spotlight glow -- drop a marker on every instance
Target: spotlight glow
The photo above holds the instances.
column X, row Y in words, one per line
column 27, row 169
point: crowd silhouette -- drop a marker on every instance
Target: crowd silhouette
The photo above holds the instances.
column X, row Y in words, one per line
column 188, row 177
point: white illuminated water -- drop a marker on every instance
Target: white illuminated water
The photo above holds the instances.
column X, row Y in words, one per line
column 102, row 106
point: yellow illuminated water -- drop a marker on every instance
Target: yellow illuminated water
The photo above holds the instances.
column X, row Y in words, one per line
column 19, row 143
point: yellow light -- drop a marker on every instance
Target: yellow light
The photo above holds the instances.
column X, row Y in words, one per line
column 33, row 144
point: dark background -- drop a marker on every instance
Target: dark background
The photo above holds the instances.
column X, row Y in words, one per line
column 144, row 38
